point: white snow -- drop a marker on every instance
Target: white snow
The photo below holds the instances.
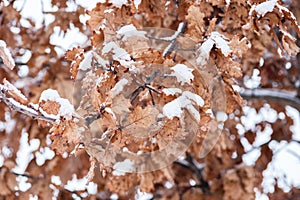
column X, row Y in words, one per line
column 92, row 188
column 56, row 180
column 183, row 73
column 254, row 81
column 217, row 39
column 119, row 54
column 252, row 117
column 33, row 197
column 176, row 34
column 72, row 38
column 204, row 51
column 43, row 155
column 81, row 184
column 129, row 31
column 7, row 54
column 66, row 108
column 118, row 3
column 120, row 168
column 118, row 87
column 175, row 107
column 12, row 88
column 137, row 3
column 295, row 115
column 23, row 71
column 221, row 116
column 100, row 60
column 9, row 124
column 192, row 96
column 265, row 7
column 86, row 63
column 24, row 154
column 23, row 186
column 264, row 136
column 142, row 195
column 114, row 196
column 227, row 2
column 1, row 160
column 221, row 43
column 171, row 91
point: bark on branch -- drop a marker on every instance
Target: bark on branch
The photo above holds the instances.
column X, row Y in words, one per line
column 31, row 109
column 275, row 95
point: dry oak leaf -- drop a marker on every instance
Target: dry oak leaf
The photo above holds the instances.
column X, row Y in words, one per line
column 141, row 121
column 76, row 55
column 234, row 185
column 50, row 107
column 97, row 15
column 239, row 46
column 6, row 55
column 65, row 136
column 196, row 19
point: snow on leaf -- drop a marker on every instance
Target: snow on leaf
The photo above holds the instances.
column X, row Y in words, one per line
column 76, row 55
column 221, row 43
column 265, row 7
column 86, row 63
column 204, row 51
column 171, row 91
column 118, row 87
column 120, row 168
column 137, row 3
column 182, row 73
column 129, row 31
column 100, row 60
column 175, row 107
column 119, row 54
column 217, row 39
column 6, row 56
column 66, row 109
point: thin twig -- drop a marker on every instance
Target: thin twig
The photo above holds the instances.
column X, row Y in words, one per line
column 190, row 165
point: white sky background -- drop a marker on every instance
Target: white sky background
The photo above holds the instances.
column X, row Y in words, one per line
column 285, row 162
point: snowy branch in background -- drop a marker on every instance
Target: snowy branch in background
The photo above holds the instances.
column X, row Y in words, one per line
column 280, row 96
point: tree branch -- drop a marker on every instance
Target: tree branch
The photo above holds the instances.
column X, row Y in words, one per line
column 279, row 96
column 31, row 110
column 190, row 165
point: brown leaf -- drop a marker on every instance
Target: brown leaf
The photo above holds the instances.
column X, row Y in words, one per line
column 264, row 158
column 196, row 19
column 76, row 55
column 50, row 107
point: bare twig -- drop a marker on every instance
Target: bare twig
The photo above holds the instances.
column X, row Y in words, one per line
column 190, row 164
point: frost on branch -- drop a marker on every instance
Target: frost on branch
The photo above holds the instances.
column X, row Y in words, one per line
column 6, row 55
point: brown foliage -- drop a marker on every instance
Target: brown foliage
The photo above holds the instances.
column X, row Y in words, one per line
column 121, row 88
